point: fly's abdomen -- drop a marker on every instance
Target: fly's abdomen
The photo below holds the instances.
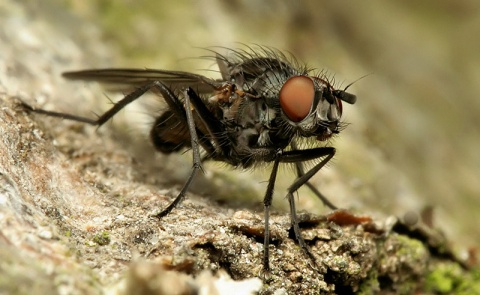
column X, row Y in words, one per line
column 169, row 134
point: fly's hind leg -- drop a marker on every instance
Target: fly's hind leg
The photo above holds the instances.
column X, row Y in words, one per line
column 176, row 106
column 197, row 161
column 172, row 101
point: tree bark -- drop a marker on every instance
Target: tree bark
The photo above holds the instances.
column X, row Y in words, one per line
column 76, row 206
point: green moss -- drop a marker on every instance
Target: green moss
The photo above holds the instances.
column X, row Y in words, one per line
column 412, row 248
column 370, row 285
column 102, row 238
column 403, row 262
column 450, row 278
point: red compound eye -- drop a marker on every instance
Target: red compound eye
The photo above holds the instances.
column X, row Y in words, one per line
column 296, row 97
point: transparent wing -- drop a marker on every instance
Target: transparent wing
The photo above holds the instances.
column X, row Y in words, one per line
column 125, row 79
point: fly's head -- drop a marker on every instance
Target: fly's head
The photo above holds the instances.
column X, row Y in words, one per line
column 312, row 107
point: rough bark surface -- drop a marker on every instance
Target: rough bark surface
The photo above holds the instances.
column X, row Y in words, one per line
column 76, row 206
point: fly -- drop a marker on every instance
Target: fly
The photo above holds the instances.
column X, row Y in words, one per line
column 263, row 109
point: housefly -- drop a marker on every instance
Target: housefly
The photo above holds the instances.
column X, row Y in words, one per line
column 263, row 109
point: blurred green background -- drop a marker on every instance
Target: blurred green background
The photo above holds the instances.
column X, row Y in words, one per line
column 414, row 133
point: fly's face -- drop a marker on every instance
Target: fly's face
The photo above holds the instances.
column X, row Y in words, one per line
column 312, row 106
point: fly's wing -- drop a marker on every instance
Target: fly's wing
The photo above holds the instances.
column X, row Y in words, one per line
column 127, row 79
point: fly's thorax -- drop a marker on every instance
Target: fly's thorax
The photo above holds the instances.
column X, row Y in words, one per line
column 257, row 117
column 252, row 126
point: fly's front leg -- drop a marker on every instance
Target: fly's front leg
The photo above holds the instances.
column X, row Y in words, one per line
column 296, row 156
column 197, row 161
column 301, row 172
column 325, row 201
